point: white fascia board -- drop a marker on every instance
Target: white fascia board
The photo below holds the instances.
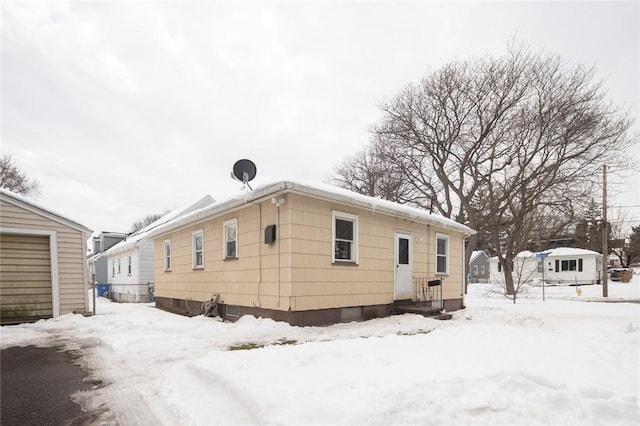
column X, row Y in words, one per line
column 315, row 190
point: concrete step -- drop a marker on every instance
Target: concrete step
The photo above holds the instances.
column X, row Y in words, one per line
column 420, row 309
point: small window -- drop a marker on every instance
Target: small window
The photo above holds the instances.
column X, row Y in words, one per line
column 232, row 310
column 442, row 254
column 129, row 266
column 568, row 265
column 198, row 249
column 475, row 269
column 230, row 236
column 345, row 237
column 482, row 270
column 167, row 255
column 499, row 266
column 119, row 265
column 113, row 268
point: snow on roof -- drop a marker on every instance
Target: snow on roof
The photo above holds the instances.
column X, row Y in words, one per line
column 475, row 254
column 570, row 251
column 143, row 233
column 32, row 205
column 558, row 252
column 318, row 190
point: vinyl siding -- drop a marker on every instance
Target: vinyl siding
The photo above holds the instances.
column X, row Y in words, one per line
column 146, row 261
column 71, row 248
column 101, row 270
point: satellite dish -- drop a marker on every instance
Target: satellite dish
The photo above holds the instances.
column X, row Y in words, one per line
column 244, row 170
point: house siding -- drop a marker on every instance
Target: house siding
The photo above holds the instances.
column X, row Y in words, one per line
column 146, row 261
column 131, row 287
column 308, row 278
column 101, row 270
column 71, row 250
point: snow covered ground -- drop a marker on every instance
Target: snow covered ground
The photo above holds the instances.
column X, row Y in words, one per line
column 572, row 360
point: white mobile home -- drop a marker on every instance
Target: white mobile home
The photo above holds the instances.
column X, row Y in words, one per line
column 562, row 266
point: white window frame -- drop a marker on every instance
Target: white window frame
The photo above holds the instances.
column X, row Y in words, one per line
column 167, row 259
column 194, row 257
column 119, row 266
column 482, row 270
column 113, row 268
column 444, row 237
column 354, row 249
column 129, row 267
column 475, row 269
column 231, row 223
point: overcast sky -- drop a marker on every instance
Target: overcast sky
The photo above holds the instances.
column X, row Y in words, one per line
column 120, row 109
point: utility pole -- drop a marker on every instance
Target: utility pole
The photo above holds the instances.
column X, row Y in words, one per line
column 605, row 234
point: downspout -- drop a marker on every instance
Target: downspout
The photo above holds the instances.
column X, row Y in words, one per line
column 278, row 202
column 464, row 269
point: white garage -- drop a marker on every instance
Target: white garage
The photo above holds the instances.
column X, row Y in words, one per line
column 42, row 262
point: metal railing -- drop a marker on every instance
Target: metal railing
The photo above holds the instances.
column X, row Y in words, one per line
column 429, row 291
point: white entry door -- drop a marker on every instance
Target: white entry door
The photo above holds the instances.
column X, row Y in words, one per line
column 403, row 262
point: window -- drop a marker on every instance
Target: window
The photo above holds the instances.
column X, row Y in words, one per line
column 198, row 249
column 345, row 238
column 230, row 237
column 442, row 254
column 129, row 266
column 567, row 265
column 167, row 255
column 499, row 266
column 482, row 270
column 119, row 265
column 113, row 268
column 475, row 269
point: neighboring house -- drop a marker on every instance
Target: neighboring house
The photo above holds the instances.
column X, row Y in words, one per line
column 308, row 253
column 98, row 263
column 130, row 262
column 479, row 267
column 42, row 262
column 563, row 265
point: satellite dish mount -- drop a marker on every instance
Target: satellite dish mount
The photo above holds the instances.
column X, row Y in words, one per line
column 244, row 171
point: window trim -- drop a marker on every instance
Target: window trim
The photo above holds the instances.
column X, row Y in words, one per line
column 167, row 264
column 444, row 237
column 119, row 266
column 225, row 224
column 355, row 252
column 129, row 267
column 194, row 235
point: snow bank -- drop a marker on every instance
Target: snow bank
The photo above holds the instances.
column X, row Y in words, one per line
column 565, row 361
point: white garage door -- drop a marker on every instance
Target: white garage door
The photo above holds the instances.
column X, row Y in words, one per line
column 25, row 278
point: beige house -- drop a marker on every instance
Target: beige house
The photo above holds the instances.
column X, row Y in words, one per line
column 308, row 253
column 42, row 262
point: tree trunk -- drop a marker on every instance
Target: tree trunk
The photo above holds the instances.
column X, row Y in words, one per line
column 508, row 281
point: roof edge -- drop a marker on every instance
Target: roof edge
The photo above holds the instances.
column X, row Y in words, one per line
column 23, row 202
column 316, row 190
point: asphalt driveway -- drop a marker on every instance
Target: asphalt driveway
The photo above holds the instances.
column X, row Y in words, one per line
column 36, row 387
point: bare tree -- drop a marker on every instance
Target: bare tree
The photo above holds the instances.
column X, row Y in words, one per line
column 13, row 179
column 624, row 241
column 147, row 220
column 523, row 271
column 367, row 173
column 509, row 145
